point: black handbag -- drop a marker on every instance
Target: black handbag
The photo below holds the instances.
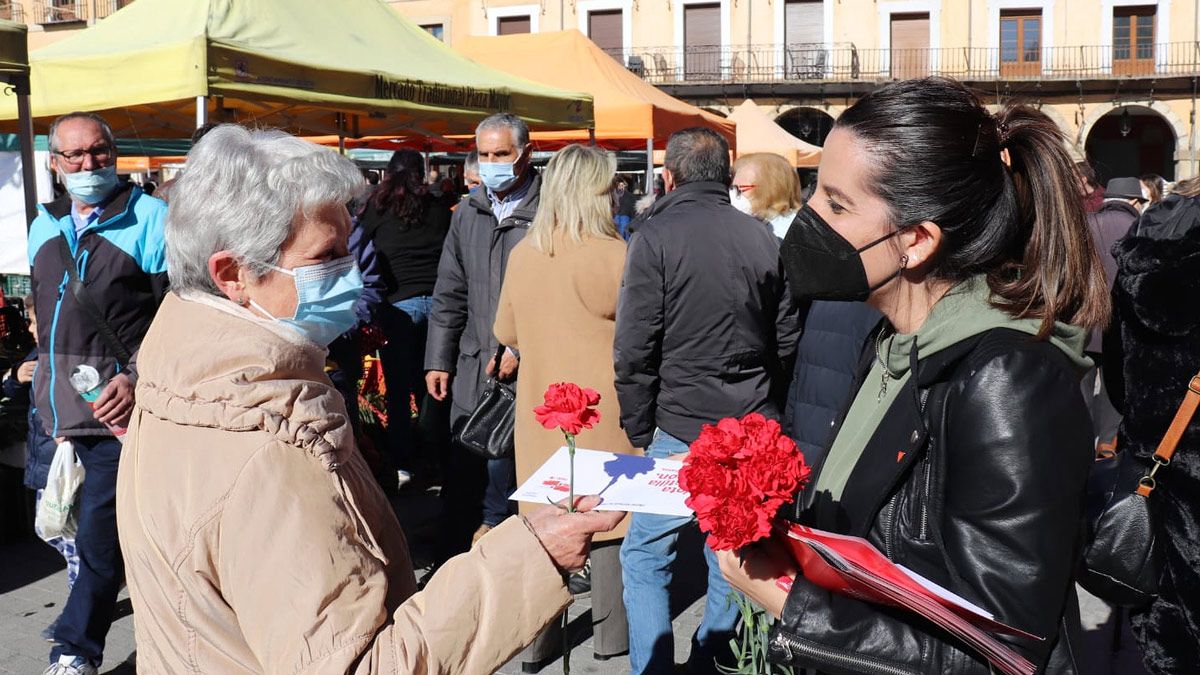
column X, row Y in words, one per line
column 1121, row 561
column 488, row 431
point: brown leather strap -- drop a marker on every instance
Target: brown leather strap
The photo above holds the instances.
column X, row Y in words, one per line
column 1170, row 440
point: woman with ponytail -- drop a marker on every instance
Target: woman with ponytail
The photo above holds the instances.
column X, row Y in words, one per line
column 965, row 453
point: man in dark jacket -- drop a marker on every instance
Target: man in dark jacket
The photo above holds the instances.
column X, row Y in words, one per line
column 111, row 233
column 705, row 330
column 460, row 347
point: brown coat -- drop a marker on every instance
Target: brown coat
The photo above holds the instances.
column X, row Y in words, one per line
column 560, row 312
column 256, row 539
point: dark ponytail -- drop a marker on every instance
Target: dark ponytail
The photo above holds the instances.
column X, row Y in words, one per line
column 1000, row 187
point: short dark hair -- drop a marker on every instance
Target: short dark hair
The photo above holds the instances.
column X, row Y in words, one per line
column 697, row 155
column 202, row 130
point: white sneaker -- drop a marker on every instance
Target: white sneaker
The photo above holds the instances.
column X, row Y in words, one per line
column 71, row 665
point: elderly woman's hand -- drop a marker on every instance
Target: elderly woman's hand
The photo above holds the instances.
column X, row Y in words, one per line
column 756, row 571
column 568, row 536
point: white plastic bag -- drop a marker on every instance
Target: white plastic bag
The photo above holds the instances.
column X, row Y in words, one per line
column 55, row 517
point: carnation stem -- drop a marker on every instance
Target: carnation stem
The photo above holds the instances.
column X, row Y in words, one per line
column 571, row 480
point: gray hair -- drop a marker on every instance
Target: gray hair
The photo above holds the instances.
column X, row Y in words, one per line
column 105, row 131
column 242, row 192
column 471, row 163
column 697, row 155
column 520, row 130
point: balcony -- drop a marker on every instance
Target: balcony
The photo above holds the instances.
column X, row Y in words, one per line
column 12, row 11
column 50, row 12
column 774, row 64
column 107, row 7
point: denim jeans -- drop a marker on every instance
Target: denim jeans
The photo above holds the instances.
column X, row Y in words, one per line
column 88, row 612
column 646, row 558
column 502, row 482
column 405, row 324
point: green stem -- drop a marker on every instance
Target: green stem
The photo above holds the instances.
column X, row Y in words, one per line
column 571, row 481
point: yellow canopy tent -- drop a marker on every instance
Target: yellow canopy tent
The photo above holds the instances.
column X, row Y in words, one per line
column 158, row 68
column 757, row 132
column 628, row 110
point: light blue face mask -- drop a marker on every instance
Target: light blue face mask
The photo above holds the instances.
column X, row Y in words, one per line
column 91, row 187
column 325, row 298
column 498, row 176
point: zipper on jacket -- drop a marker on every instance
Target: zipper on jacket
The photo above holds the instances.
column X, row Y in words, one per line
column 62, row 289
column 923, row 529
column 791, row 646
column 889, row 517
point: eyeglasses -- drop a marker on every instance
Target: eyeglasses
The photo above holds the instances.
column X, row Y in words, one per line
column 744, row 188
column 100, row 153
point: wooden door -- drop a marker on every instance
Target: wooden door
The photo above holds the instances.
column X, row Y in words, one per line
column 1133, row 40
column 702, row 42
column 1020, row 43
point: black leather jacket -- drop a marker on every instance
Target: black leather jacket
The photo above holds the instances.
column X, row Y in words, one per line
column 975, row 479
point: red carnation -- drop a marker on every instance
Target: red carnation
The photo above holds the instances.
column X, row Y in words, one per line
column 568, row 407
column 738, row 473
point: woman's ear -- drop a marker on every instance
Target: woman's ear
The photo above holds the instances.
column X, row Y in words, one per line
column 226, row 273
column 920, row 243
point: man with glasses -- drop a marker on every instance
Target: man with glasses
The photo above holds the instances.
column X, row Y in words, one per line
column 99, row 273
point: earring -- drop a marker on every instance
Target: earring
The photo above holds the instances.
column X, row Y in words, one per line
column 903, row 262
column 242, row 301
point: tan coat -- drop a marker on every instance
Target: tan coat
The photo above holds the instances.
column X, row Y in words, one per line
column 559, row 312
column 256, row 540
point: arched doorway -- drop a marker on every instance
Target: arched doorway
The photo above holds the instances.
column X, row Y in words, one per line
column 1131, row 141
column 807, row 124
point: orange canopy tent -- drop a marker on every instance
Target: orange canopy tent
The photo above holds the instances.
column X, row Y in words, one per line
column 757, row 132
column 629, row 112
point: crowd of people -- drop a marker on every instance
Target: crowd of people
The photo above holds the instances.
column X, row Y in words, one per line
column 951, row 323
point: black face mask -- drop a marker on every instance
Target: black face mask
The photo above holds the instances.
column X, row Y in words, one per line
column 821, row 264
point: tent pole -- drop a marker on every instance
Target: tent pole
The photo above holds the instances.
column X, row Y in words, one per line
column 25, row 127
column 649, row 166
column 341, row 127
column 592, row 136
column 201, row 111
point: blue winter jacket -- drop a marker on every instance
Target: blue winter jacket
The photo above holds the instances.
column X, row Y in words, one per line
column 121, row 259
column 827, row 364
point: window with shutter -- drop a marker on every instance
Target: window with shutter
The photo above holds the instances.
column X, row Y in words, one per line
column 803, row 33
column 513, row 25
column 702, row 41
column 437, row 30
column 605, row 29
column 1020, row 42
column 910, row 46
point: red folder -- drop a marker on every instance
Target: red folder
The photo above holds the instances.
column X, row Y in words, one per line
column 852, row 566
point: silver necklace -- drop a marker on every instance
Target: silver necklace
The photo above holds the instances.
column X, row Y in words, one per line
column 887, row 372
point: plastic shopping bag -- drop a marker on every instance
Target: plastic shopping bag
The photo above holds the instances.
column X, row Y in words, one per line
column 55, row 518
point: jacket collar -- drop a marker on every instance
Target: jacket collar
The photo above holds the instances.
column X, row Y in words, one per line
column 704, row 192
column 525, row 211
column 117, row 205
column 1122, row 206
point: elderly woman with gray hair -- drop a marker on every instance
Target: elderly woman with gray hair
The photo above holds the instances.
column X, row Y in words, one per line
column 255, row 538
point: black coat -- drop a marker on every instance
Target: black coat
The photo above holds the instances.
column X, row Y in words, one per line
column 832, row 337
column 1151, row 352
column 974, row 479
column 705, row 325
column 470, row 273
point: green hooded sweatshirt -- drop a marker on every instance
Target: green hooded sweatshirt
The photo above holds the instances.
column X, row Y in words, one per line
column 962, row 313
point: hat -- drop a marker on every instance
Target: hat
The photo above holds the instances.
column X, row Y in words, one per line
column 1123, row 188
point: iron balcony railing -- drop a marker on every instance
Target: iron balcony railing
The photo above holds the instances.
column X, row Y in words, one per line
column 106, row 7
column 12, row 10
column 60, row 11
column 816, row 63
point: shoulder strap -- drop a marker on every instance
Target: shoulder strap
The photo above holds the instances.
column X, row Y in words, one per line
column 85, row 301
column 1166, row 448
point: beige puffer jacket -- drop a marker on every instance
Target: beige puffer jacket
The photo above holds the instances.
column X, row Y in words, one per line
column 256, row 540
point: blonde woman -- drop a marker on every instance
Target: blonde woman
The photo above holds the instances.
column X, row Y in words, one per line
column 766, row 186
column 558, row 306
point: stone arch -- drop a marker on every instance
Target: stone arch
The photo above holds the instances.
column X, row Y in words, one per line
column 1177, row 125
column 821, row 120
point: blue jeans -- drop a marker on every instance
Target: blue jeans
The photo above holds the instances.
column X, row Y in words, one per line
column 405, row 324
column 646, row 558
column 502, row 482
column 88, row 612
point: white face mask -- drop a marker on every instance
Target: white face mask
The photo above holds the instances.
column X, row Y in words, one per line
column 740, row 201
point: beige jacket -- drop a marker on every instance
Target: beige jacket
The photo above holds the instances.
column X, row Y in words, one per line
column 256, row 540
column 560, row 312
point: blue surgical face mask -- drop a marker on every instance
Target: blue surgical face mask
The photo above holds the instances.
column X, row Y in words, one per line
column 325, row 297
column 91, row 187
column 498, row 176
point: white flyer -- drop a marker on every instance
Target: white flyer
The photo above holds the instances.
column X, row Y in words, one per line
column 625, row 482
